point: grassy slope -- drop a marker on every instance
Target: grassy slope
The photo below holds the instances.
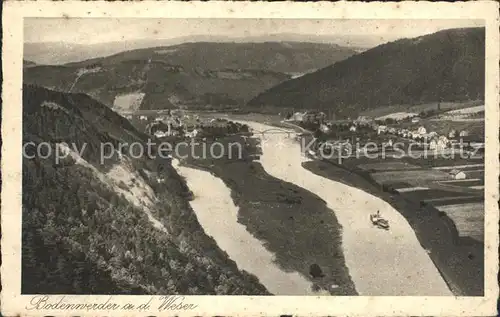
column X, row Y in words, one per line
column 417, row 108
column 83, row 237
column 447, row 66
column 460, row 262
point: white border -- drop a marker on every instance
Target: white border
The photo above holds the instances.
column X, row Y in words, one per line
column 13, row 303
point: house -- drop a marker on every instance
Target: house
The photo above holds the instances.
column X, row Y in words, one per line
column 433, row 144
column 452, row 134
column 143, row 118
column 324, row 128
column 442, row 142
column 421, row 130
column 444, row 138
column 352, row 128
column 308, row 116
column 174, row 122
column 457, row 174
column 321, row 117
column 464, row 133
column 297, row 116
column 313, row 116
column 415, row 119
column 193, row 133
column 381, row 128
column 392, row 130
column 363, row 120
column 161, row 134
column 431, row 135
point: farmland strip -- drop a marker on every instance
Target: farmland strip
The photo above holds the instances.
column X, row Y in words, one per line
column 457, row 166
column 411, row 189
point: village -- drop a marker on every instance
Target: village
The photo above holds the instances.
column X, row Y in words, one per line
column 407, row 129
column 179, row 124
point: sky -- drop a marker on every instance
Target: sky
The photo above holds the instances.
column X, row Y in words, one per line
column 101, row 30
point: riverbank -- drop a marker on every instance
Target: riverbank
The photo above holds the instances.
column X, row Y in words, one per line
column 461, row 264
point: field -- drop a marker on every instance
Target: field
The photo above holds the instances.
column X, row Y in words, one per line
column 387, row 110
column 126, row 102
column 475, row 113
column 417, row 177
column 398, row 115
column 430, row 194
column 474, row 109
column 443, row 126
column 432, row 162
column 469, row 219
column 388, row 166
column 463, row 183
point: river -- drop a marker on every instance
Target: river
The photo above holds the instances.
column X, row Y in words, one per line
column 391, row 263
column 218, row 215
column 380, row 262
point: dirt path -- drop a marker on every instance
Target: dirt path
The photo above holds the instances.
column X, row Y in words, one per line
column 380, row 262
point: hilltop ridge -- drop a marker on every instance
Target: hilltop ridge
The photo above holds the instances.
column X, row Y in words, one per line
column 445, row 66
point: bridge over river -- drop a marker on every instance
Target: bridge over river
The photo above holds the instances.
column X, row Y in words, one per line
column 277, row 131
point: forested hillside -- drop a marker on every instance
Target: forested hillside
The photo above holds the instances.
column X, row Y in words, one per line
column 164, row 85
column 58, row 53
column 280, row 57
column 444, row 66
column 121, row 225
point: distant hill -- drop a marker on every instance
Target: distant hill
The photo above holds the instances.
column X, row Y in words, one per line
column 444, row 66
column 58, row 53
column 190, row 74
column 109, row 226
column 282, row 57
column 163, row 85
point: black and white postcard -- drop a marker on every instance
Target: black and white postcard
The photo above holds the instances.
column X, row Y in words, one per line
column 247, row 159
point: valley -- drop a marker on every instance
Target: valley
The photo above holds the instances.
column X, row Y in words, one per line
column 258, row 178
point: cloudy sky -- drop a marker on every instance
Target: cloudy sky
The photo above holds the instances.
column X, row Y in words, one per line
column 100, row 30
